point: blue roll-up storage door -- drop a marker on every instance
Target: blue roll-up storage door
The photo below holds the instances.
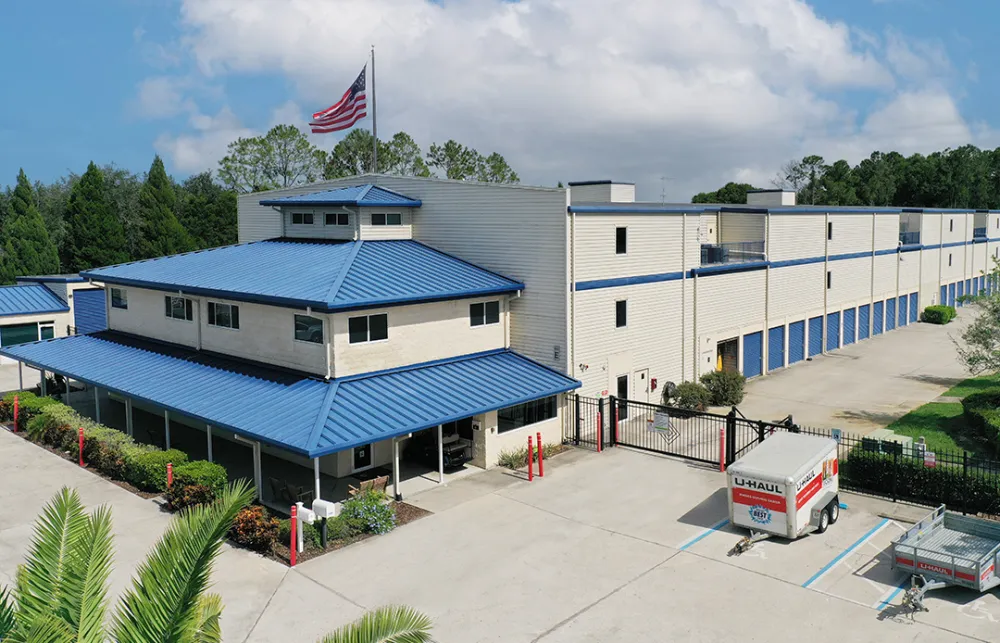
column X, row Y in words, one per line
column 753, row 344
column 890, row 314
column 959, row 292
column 89, row 313
column 951, row 295
column 968, row 287
column 877, row 318
column 796, row 341
column 850, row 316
column 776, row 348
column 943, row 296
column 914, row 308
column 864, row 321
column 975, row 287
column 833, row 331
column 904, row 315
column 815, row 336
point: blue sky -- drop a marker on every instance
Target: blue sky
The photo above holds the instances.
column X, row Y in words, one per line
column 563, row 96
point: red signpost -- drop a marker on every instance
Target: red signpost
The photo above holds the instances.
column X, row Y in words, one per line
column 531, row 463
column 722, row 450
column 600, row 431
column 293, row 546
column 16, row 409
column 170, row 474
column 541, row 463
column 80, row 439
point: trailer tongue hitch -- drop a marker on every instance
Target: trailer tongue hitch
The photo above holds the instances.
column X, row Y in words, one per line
column 747, row 542
column 919, row 586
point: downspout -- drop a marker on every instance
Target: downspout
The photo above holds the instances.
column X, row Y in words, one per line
column 694, row 326
column 941, row 256
column 767, row 301
column 826, row 272
column 328, row 335
column 871, row 302
column 198, row 320
column 684, row 289
column 572, row 293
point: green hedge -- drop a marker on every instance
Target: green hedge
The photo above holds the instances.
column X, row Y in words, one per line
column 148, row 471
column 29, row 406
column 201, row 472
column 908, row 478
column 982, row 413
column 692, row 396
column 938, row 314
column 725, row 387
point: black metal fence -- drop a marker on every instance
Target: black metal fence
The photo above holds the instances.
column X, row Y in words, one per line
column 887, row 468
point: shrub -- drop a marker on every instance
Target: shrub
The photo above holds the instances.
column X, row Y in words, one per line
column 982, row 413
column 181, row 496
column 370, row 513
column 518, row 458
column 147, row 470
column 310, row 533
column 29, row 406
column 724, row 387
column 937, row 314
column 692, row 396
column 255, row 529
column 201, row 472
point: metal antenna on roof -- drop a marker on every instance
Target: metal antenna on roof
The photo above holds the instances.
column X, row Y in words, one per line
column 663, row 187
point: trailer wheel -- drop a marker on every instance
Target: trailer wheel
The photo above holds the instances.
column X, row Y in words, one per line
column 824, row 521
column 834, row 511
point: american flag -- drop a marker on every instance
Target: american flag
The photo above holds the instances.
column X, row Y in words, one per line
column 350, row 109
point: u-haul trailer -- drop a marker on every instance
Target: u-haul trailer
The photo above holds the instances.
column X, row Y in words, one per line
column 787, row 486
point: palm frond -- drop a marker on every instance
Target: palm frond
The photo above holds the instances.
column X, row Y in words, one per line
column 162, row 604
column 86, row 582
column 389, row 624
column 44, row 629
column 207, row 626
column 41, row 581
column 8, row 616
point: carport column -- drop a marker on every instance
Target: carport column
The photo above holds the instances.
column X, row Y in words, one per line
column 440, row 453
column 208, row 431
column 256, row 469
column 42, row 384
column 395, row 469
column 20, row 376
column 97, row 404
column 67, row 380
column 128, row 415
column 166, row 426
column 316, row 476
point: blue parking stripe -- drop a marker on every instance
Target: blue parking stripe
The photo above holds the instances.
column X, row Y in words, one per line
column 708, row 532
column 844, row 553
column 888, row 600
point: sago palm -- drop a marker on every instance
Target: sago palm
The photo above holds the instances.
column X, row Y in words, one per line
column 60, row 592
column 390, row 624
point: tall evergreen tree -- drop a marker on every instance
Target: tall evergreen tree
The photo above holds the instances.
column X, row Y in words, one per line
column 27, row 248
column 162, row 234
column 207, row 211
column 94, row 233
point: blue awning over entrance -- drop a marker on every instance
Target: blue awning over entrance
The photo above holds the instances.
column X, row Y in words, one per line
column 291, row 410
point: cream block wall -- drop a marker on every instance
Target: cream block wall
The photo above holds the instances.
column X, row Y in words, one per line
column 417, row 333
column 145, row 316
column 796, row 236
column 651, row 243
column 497, row 443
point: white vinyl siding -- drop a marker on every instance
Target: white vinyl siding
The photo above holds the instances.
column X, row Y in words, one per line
column 851, row 233
column 797, row 289
column 886, row 231
column 653, row 245
column 851, row 282
column 404, row 230
column 796, row 236
column 318, row 229
column 729, row 302
column 885, row 276
column 909, row 271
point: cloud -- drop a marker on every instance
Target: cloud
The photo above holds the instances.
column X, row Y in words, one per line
column 703, row 92
column 163, row 97
column 202, row 148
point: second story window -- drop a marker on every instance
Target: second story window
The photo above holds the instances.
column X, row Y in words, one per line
column 308, row 329
column 621, row 314
column 302, row 218
column 119, row 298
column 368, row 328
column 393, row 218
column 337, row 218
column 621, row 241
column 951, row 225
column 178, row 308
column 829, row 230
column 484, row 313
column 224, row 315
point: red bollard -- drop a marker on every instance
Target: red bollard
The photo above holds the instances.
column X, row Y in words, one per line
column 293, row 546
column 16, row 409
column 80, row 435
column 541, row 463
column 722, row 450
column 170, row 474
column 600, row 431
column 531, row 464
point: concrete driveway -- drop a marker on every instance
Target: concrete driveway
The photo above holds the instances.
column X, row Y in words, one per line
column 619, row 546
column 864, row 386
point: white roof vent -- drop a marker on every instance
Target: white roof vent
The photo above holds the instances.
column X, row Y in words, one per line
column 770, row 197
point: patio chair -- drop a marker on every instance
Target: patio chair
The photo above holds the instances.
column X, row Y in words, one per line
column 277, row 489
column 366, row 486
column 380, row 483
column 295, row 493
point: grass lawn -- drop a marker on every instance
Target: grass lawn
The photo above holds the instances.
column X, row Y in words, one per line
column 941, row 424
column 974, row 385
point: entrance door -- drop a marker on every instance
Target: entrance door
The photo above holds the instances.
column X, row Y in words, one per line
column 362, row 457
column 622, row 393
column 728, row 355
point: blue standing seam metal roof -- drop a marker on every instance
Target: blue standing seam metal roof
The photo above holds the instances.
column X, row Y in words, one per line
column 359, row 195
column 298, row 412
column 327, row 276
column 29, row 299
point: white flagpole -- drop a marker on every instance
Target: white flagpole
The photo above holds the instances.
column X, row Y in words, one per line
column 374, row 120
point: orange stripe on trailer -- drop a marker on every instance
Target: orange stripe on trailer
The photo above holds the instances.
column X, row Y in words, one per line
column 904, row 561
column 989, row 570
column 964, row 576
column 808, row 491
column 751, row 498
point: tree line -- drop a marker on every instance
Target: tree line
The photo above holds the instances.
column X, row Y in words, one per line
column 963, row 177
column 109, row 215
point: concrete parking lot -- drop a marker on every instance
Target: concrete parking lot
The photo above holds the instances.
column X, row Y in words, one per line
column 864, row 386
column 618, row 546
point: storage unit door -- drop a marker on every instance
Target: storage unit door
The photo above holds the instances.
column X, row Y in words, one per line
column 796, row 341
column 753, row 344
column 18, row 334
column 775, row 348
column 877, row 318
column 959, row 292
column 815, row 336
column 864, row 321
column 914, row 308
column 968, row 287
column 951, row 295
column 833, row 331
column 850, row 316
column 89, row 313
column 943, row 300
column 890, row 314
column 904, row 316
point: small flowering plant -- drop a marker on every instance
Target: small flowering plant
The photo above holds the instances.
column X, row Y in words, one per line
column 369, row 513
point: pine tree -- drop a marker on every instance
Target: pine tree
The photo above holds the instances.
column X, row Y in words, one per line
column 95, row 236
column 28, row 250
column 161, row 233
column 207, row 211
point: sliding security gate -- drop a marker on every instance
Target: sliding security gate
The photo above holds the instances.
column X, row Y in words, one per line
column 833, row 331
column 815, row 336
column 775, row 348
column 849, row 320
column 877, row 318
column 890, row 314
column 753, row 346
column 796, row 341
column 904, row 317
column 864, row 321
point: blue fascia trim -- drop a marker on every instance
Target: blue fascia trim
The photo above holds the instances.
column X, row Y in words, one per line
column 850, row 255
column 47, row 311
column 980, row 240
column 727, row 268
column 886, row 251
column 797, row 262
column 954, row 244
column 910, row 247
column 625, row 209
column 53, row 280
column 595, row 284
column 411, row 203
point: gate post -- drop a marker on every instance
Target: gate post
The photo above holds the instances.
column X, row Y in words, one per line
column 761, row 432
column 576, row 436
column 613, row 429
column 600, row 425
column 731, row 436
